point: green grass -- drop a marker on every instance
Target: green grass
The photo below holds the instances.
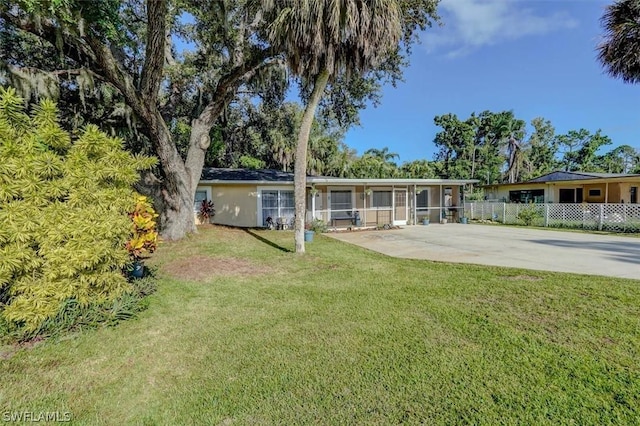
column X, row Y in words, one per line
column 346, row 336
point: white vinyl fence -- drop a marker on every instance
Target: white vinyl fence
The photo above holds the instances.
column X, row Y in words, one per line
column 603, row 217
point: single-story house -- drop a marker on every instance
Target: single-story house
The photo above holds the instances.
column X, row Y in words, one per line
column 569, row 187
column 252, row 198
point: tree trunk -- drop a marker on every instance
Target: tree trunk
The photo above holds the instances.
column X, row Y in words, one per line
column 177, row 217
column 177, row 191
column 300, row 167
column 199, row 142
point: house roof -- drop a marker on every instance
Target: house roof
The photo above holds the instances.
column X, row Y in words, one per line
column 245, row 175
column 576, row 177
column 216, row 175
column 373, row 182
column 564, row 176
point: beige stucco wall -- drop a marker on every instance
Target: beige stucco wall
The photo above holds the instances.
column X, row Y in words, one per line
column 239, row 205
column 613, row 195
column 617, row 192
column 236, row 205
column 625, row 190
column 501, row 192
column 595, row 198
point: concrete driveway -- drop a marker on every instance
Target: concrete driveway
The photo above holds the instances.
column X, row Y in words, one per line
column 615, row 256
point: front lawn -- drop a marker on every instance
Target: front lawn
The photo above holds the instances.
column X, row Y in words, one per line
column 241, row 331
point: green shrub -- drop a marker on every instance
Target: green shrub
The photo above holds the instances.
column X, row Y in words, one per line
column 207, row 211
column 529, row 215
column 74, row 317
column 64, row 212
column 317, row 225
column 144, row 235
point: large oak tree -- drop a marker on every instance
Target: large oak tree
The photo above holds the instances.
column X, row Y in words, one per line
column 129, row 45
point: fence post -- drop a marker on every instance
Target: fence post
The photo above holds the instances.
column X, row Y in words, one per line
column 600, row 217
column 546, row 215
column 472, row 204
column 504, row 213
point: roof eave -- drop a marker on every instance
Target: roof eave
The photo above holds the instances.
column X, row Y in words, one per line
column 345, row 181
column 337, row 181
column 245, row 182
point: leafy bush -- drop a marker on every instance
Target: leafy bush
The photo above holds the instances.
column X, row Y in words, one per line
column 249, row 162
column 64, row 213
column 476, row 195
column 317, row 225
column 73, row 316
column 529, row 215
column 206, row 211
column 144, row 236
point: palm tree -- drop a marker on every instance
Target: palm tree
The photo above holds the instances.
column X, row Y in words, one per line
column 384, row 154
column 511, row 131
column 321, row 40
column 282, row 149
column 619, row 52
column 417, row 169
column 341, row 163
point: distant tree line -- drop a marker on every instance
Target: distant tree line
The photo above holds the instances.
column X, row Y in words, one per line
column 491, row 147
column 497, row 148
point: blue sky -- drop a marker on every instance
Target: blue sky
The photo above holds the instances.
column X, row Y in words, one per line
column 536, row 58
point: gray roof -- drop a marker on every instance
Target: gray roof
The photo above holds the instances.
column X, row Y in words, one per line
column 212, row 173
column 564, row 176
column 215, row 175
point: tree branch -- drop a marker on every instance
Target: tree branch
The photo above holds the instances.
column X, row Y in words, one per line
column 229, row 83
column 74, row 48
column 87, row 51
column 155, row 49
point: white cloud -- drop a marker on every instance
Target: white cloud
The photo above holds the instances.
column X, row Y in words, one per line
column 470, row 24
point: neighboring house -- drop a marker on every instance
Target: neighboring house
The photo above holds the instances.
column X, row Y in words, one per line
column 569, row 187
column 247, row 198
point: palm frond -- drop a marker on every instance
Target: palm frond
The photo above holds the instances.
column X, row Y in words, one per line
column 619, row 51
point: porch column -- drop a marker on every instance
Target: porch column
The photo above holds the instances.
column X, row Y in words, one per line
column 440, row 206
column 313, row 204
column 364, row 194
column 393, row 204
column 415, row 205
column 606, row 193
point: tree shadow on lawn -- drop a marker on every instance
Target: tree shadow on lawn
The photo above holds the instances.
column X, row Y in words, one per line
column 268, row 242
column 625, row 252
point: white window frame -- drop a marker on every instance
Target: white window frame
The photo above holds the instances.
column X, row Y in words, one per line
column 259, row 190
column 340, row 188
column 206, row 189
column 380, row 189
column 428, row 191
